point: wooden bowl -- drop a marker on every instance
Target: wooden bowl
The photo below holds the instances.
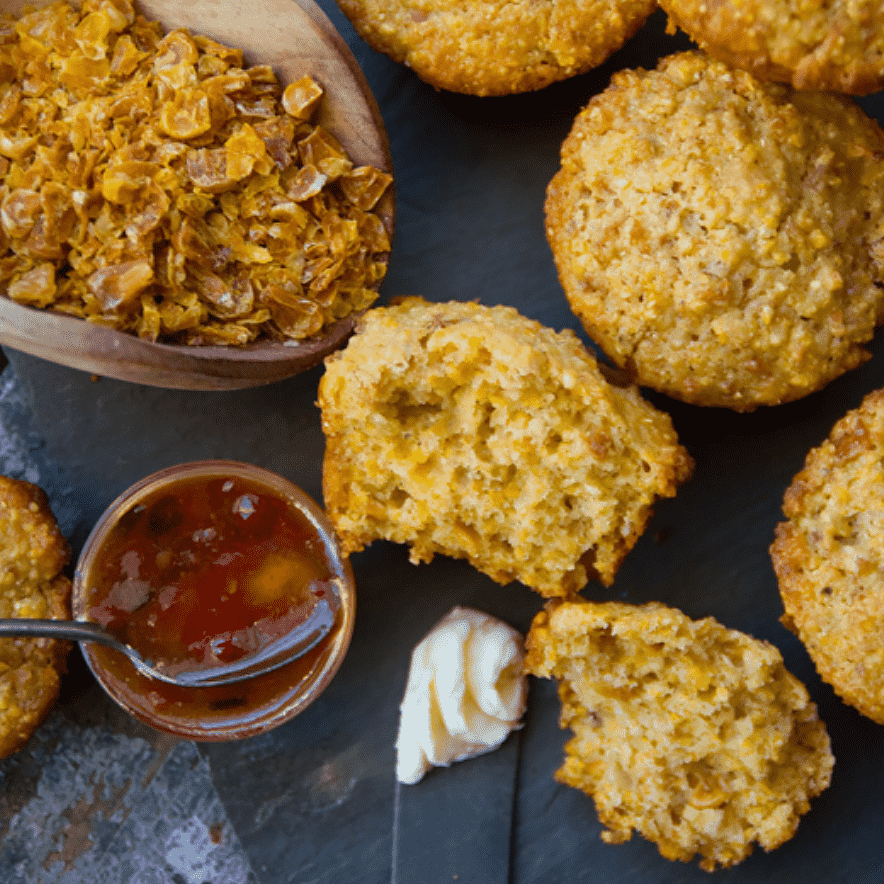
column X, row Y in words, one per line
column 294, row 37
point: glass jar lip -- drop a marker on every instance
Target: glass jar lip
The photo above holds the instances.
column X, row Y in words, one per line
column 310, row 686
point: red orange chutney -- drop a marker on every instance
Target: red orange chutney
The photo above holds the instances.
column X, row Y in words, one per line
column 206, row 571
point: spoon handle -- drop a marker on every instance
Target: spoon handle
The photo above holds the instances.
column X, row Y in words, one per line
column 68, row 630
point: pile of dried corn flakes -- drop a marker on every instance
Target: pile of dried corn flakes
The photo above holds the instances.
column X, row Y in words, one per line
column 153, row 184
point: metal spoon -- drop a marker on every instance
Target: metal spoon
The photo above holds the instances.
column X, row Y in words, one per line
column 284, row 650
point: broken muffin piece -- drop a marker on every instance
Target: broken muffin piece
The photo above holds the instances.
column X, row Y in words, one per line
column 694, row 735
column 477, row 433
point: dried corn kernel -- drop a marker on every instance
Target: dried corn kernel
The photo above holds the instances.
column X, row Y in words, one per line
column 301, row 98
column 151, row 184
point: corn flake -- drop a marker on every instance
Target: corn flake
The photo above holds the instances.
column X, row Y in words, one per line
column 152, row 184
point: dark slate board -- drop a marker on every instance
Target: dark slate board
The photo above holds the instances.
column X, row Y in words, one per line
column 316, row 800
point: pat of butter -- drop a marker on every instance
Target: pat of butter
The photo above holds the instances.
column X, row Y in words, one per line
column 466, row 691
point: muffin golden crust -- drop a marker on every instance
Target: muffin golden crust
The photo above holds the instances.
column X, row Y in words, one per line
column 477, row 433
column 721, row 238
column 829, row 557
column 836, row 46
column 32, row 556
column 692, row 734
column 497, row 47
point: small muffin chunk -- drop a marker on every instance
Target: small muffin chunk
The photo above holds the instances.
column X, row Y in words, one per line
column 722, row 239
column 32, row 556
column 692, row 734
column 497, row 47
column 829, row 557
column 836, row 46
column 475, row 432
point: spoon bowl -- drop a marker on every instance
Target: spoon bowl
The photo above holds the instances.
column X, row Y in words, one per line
column 276, row 654
column 295, row 38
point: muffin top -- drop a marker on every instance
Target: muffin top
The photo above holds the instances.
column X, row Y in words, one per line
column 692, row 734
column 32, row 556
column 475, row 432
column 836, row 46
column 829, row 561
column 497, row 47
column 721, row 238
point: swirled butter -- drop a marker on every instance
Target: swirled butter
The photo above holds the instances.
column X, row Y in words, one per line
column 466, row 691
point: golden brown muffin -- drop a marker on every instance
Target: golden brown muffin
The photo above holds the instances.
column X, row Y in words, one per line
column 477, row 433
column 32, row 556
column 837, row 45
column 722, row 239
column 492, row 47
column 692, row 734
column 829, row 557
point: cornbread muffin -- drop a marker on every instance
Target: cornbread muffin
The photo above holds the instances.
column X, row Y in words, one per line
column 475, row 432
column 32, row 555
column 829, row 557
column 722, row 239
column 837, row 45
column 492, row 47
column 692, row 734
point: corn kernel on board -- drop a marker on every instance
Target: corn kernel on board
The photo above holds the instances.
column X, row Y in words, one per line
column 96, row 797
